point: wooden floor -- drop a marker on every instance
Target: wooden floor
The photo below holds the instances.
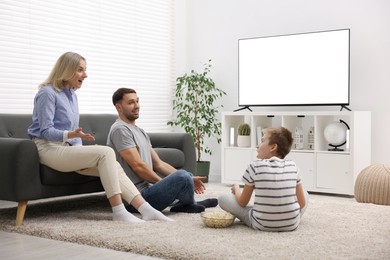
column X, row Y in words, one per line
column 15, row 246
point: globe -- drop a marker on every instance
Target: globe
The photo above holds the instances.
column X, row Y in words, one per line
column 336, row 133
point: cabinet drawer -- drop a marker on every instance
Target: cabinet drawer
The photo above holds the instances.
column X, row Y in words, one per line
column 235, row 163
column 305, row 164
column 334, row 173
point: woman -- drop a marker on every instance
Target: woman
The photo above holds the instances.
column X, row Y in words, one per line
column 58, row 138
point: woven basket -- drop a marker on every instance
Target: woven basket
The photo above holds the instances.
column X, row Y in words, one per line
column 373, row 185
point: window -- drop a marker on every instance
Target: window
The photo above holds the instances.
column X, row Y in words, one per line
column 127, row 43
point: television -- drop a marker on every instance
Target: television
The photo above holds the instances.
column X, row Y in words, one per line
column 303, row 69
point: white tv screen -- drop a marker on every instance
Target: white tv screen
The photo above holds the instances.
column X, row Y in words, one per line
column 297, row 69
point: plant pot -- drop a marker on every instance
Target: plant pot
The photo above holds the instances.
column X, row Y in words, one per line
column 244, row 140
column 203, row 169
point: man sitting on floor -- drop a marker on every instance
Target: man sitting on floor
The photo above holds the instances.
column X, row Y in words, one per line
column 142, row 164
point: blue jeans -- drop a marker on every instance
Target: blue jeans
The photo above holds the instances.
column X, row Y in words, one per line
column 176, row 186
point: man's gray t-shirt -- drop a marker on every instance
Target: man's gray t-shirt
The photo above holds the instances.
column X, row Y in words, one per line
column 124, row 136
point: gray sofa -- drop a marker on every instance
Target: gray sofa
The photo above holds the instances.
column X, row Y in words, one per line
column 23, row 178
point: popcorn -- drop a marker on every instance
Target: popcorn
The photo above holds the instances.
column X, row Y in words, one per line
column 217, row 219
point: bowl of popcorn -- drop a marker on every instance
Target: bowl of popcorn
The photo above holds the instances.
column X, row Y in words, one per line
column 217, row 219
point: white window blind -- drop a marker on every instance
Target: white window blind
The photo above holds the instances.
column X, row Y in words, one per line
column 127, row 43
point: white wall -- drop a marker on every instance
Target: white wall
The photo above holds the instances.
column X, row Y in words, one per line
column 210, row 29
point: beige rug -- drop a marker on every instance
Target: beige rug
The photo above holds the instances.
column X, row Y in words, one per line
column 332, row 228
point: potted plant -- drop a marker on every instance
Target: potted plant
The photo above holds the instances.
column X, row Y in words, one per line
column 243, row 137
column 196, row 111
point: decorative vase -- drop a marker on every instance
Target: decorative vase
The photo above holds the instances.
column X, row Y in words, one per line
column 243, row 140
column 298, row 138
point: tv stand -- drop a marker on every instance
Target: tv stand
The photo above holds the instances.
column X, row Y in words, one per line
column 344, row 107
column 242, row 108
column 323, row 171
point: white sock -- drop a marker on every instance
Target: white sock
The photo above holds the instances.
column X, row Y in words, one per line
column 121, row 214
column 150, row 213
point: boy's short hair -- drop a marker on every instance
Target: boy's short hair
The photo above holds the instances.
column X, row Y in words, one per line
column 282, row 137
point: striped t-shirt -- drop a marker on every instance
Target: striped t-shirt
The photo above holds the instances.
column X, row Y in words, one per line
column 275, row 205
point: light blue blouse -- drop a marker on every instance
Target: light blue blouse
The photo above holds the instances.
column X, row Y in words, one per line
column 55, row 113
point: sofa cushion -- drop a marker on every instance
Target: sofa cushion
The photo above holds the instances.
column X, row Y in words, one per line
column 14, row 125
column 98, row 125
column 172, row 156
column 53, row 177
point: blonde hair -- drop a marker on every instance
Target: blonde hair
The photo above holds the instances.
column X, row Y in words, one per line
column 282, row 137
column 64, row 69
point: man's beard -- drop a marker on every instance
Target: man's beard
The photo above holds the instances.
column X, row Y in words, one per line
column 131, row 117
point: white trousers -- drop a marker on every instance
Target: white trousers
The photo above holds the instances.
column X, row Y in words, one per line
column 91, row 160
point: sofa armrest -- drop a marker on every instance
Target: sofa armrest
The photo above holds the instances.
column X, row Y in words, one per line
column 181, row 141
column 19, row 169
